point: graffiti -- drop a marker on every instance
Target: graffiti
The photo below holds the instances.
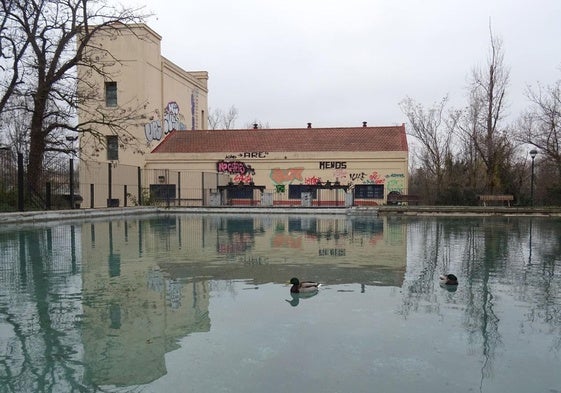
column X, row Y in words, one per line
column 155, row 130
column 194, row 100
column 332, row 252
column 312, row 180
column 332, row 165
column 283, row 176
column 243, row 179
column 286, row 241
column 172, row 118
column 375, row 178
column 249, row 260
column 254, row 154
column 234, row 168
column 394, row 182
column 394, row 185
column 280, row 188
column 358, row 176
column 340, row 174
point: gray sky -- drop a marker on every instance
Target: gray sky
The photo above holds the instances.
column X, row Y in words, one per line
column 341, row 62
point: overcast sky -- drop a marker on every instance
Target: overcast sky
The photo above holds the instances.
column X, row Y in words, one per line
column 340, row 62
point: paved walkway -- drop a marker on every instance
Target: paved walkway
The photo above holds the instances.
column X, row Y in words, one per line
column 86, row 214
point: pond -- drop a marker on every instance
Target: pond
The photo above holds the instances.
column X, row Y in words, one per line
column 201, row 303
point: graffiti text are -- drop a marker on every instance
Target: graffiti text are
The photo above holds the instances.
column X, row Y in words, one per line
column 254, row 154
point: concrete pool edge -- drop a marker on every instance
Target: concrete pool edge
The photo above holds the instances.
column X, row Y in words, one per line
column 58, row 215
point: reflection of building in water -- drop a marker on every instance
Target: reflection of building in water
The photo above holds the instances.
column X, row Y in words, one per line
column 337, row 248
column 145, row 281
column 133, row 314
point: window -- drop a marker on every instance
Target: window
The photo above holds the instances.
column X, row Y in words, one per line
column 111, row 94
column 240, row 193
column 112, row 147
column 369, row 191
column 295, row 191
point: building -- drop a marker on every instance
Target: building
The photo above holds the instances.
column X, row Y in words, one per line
column 146, row 93
column 167, row 149
column 299, row 166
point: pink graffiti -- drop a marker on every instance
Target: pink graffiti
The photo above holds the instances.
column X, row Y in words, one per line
column 376, row 178
column 312, row 180
column 234, row 167
column 243, row 178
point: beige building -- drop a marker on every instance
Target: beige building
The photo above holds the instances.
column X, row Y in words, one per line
column 145, row 95
column 167, row 151
column 291, row 167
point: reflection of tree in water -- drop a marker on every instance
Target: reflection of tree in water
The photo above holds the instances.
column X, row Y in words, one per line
column 481, row 253
column 487, row 253
column 38, row 304
column 541, row 281
column 420, row 283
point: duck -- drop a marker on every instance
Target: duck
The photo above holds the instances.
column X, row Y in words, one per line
column 303, row 286
column 448, row 279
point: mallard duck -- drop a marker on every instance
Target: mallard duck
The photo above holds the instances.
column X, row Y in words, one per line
column 304, row 286
column 448, row 279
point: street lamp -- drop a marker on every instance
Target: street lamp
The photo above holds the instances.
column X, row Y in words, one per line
column 71, row 140
column 533, row 154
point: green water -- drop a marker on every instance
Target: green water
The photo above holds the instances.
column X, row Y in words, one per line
column 200, row 303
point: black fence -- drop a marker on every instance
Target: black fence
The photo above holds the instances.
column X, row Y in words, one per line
column 73, row 184
column 57, row 187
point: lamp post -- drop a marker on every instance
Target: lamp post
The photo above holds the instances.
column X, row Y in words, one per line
column 533, row 154
column 71, row 140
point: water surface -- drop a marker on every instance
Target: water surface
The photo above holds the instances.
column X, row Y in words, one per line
column 200, row 303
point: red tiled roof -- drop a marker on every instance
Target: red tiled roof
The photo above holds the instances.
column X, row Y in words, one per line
column 391, row 138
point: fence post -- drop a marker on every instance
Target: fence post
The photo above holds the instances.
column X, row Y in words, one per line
column 48, row 196
column 91, row 195
column 178, row 188
column 71, row 183
column 109, row 181
column 139, row 187
column 20, row 182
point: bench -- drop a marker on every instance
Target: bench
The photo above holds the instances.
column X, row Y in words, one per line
column 504, row 199
column 400, row 199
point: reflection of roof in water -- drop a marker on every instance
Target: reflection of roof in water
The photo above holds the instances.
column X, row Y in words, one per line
column 378, row 275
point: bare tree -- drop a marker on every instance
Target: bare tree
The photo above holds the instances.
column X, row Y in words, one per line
column 540, row 126
column 430, row 128
column 217, row 118
column 59, row 33
column 481, row 122
column 214, row 118
column 13, row 46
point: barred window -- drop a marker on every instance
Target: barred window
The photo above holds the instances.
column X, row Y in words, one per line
column 111, row 94
column 369, row 191
column 112, row 147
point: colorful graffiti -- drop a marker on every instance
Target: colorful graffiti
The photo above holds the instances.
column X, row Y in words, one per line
column 312, row 180
column 286, row 176
column 234, row 168
column 243, row 179
column 375, row 178
column 395, row 182
column 172, row 120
